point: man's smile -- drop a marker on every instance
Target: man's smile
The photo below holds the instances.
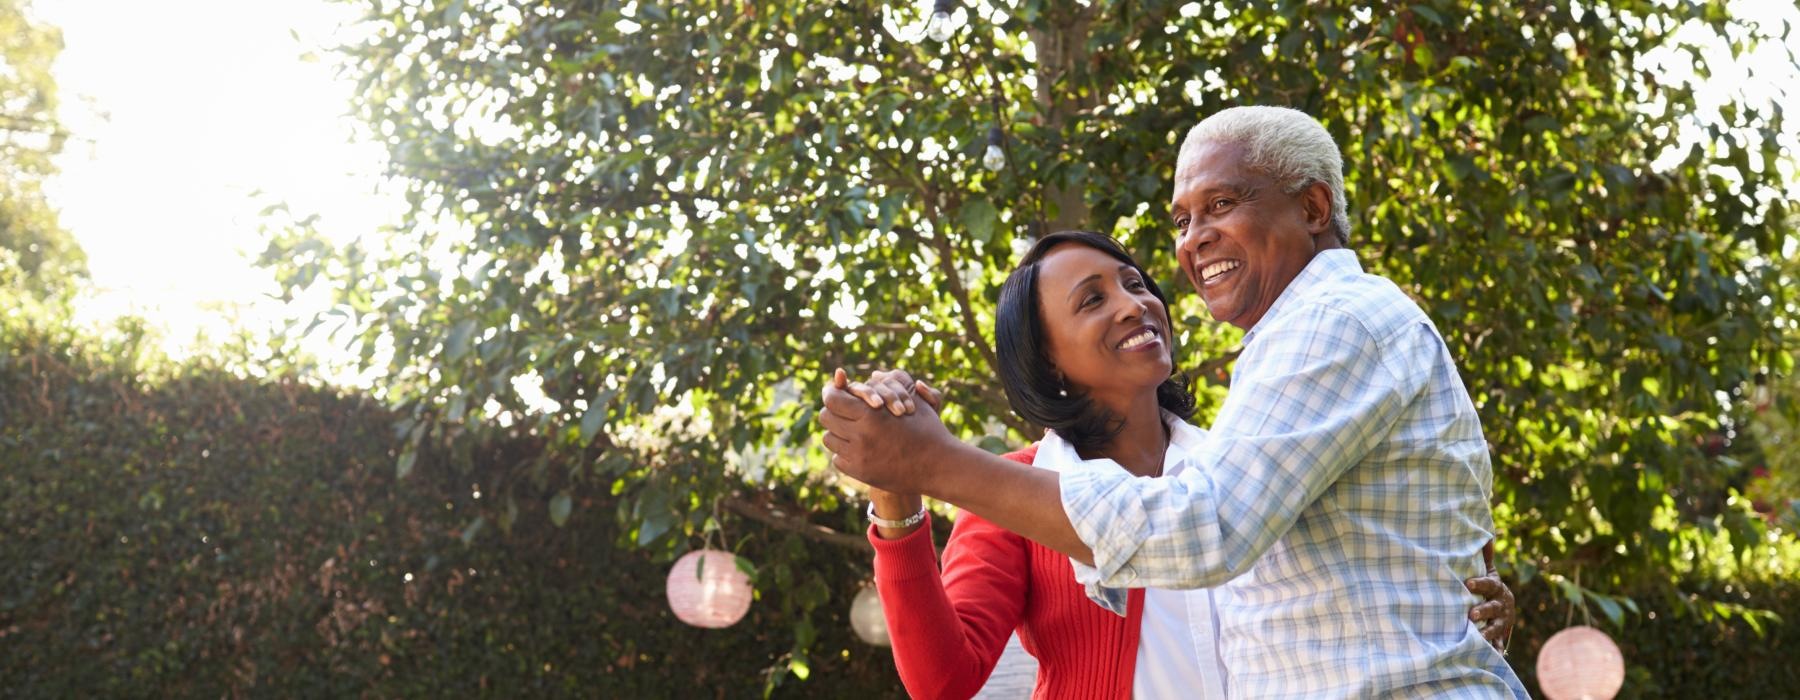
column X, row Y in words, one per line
column 1213, row 271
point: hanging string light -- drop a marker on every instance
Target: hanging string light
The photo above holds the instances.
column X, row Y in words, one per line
column 867, row 619
column 938, row 27
column 995, row 159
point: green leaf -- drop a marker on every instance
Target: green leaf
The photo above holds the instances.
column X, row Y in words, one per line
column 979, row 218
column 1429, row 15
column 594, row 417
column 472, row 529
column 509, row 514
column 560, row 505
column 1423, row 55
column 654, row 527
column 404, row 467
column 1614, row 613
column 457, row 345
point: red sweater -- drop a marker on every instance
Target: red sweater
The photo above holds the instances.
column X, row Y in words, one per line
column 949, row 628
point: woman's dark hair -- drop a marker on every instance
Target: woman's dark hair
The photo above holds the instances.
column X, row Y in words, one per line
column 1031, row 380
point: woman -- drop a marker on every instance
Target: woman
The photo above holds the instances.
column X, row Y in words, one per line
column 1085, row 347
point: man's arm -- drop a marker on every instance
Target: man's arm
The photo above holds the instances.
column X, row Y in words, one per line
column 916, row 454
column 1311, row 397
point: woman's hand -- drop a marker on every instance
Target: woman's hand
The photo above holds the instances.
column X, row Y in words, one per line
column 1496, row 615
column 895, row 391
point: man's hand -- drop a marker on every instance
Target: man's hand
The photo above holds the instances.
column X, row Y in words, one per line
column 895, row 453
column 1498, row 613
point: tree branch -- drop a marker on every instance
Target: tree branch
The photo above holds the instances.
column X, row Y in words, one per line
column 766, row 513
column 1215, row 367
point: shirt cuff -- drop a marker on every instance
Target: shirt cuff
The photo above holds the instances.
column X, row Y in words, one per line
column 1111, row 521
column 910, row 557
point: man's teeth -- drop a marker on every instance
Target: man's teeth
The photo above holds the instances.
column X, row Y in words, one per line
column 1138, row 340
column 1218, row 268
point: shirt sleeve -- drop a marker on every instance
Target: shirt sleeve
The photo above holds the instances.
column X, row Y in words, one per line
column 949, row 627
column 1311, row 396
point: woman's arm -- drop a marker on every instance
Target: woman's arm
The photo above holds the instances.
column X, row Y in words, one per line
column 949, row 627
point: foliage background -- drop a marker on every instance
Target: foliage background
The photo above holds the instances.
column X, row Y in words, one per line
column 35, row 251
column 640, row 235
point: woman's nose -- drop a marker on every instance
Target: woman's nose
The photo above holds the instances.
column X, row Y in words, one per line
column 1133, row 308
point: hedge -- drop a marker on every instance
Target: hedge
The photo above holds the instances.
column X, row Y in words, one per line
column 209, row 535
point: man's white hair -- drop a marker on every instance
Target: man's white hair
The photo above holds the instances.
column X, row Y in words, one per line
column 1285, row 144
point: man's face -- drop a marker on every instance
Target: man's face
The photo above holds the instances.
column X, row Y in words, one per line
column 1241, row 239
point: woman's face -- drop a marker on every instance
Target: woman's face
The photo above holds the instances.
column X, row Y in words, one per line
column 1108, row 335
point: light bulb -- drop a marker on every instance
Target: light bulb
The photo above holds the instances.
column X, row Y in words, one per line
column 938, row 27
column 995, row 158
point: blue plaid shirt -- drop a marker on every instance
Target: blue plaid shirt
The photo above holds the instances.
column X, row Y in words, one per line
column 1339, row 502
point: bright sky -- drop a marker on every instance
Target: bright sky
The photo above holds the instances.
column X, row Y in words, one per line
column 183, row 108
column 181, row 111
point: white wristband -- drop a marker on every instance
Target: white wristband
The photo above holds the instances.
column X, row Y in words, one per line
column 910, row 521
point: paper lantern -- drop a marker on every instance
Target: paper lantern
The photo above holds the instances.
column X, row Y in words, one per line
column 867, row 619
column 1580, row 663
column 712, row 596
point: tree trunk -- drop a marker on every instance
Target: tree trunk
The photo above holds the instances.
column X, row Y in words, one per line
column 1062, row 94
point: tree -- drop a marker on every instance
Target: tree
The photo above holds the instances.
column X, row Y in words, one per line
column 679, row 218
column 36, row 253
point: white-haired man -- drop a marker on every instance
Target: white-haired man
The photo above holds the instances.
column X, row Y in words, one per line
column 1343, row 494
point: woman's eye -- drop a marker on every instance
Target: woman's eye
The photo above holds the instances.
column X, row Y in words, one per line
column 1091, row 300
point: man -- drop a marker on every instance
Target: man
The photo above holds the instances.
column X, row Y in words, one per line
column 1344, row 494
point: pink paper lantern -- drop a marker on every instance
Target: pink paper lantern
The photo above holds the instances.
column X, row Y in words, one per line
column 1580, row 663
column 712, row 596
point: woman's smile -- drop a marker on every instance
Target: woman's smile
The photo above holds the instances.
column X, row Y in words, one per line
column 1147, row 337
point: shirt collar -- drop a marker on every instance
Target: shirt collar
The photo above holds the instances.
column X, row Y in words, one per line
column 1327, row 265
column 1056, row 454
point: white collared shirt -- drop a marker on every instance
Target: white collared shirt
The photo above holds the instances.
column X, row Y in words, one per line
column 1178, row 644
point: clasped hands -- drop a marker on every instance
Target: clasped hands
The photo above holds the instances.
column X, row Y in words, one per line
column 885, row 432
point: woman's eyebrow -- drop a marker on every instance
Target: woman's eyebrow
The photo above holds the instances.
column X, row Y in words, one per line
column 1078, row 285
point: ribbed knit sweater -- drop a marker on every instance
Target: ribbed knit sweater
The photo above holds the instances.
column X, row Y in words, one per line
column 949, row 626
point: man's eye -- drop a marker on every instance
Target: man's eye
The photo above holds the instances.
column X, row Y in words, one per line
column 1181, row 224
column 1221, row 204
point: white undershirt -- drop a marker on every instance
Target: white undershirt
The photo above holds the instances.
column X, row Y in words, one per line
column 1178, row 646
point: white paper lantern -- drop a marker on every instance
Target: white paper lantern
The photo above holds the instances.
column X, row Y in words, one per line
column 867, row 619
column 712, row 596
column 1580, row 663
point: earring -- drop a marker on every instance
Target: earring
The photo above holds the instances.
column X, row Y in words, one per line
column 1063, row 393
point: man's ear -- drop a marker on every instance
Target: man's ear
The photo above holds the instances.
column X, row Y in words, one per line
column 1315, row 206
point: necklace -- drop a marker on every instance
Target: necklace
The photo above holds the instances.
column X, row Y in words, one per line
column 1163, row 456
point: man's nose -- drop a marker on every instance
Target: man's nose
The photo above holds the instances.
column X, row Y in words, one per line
column 1195, row 238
